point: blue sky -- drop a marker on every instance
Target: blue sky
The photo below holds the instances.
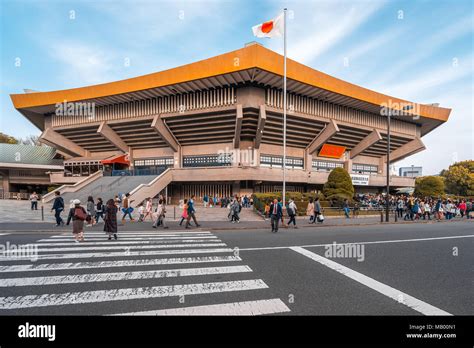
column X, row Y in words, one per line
column 413, row 49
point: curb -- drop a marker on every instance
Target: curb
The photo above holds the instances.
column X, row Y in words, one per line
column 234, row 227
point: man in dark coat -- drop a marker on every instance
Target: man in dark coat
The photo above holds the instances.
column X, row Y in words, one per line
column 276, row 213
column 58, row 207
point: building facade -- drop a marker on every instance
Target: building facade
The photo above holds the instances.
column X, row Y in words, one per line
column 412, row 172
column 216, row 127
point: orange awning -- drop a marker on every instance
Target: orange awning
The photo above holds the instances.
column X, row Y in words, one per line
column 122, row 159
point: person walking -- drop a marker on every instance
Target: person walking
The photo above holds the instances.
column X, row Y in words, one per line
column 184, row 214
column 191, row 213
column 427, row 210
column 34, row 201
column 292, row 211
column 347, row 210
column 126, row 208
column 266, row 211
column 141, row 213
column 276, row 212
column 90, row 206
column 110, row 219
column 99, row 210
column 78, row 215
column 400, row 207
column 58, row 207
column 310, row 210
column 469, row 209
column 235, row 208
column 317, row 211
column 462, row 208
column 160, row 215
column 438, row 210
column 148, row 209
column 205, row 200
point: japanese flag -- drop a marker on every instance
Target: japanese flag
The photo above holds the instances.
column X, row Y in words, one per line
column 271, row 28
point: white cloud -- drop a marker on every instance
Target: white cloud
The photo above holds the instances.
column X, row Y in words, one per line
column 452, row 141
column 414, row 87
column 82, row 63
column 426, row 48
column 321, row 26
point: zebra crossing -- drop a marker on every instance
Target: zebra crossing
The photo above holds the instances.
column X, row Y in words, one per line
column 141, row 273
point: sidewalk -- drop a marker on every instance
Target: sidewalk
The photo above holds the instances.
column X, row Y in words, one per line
column 12, row 227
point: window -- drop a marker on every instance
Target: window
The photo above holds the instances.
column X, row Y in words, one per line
column 326, row 166
column 208, row 160
column 364, row 168
column 155, row 162
column 277, row 161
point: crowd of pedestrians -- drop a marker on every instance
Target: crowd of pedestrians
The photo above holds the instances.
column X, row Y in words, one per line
column 406, row 207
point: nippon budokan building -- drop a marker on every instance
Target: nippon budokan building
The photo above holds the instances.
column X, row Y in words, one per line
column 215, row 127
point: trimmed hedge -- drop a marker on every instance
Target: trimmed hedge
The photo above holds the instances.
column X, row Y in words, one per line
column 301, row 200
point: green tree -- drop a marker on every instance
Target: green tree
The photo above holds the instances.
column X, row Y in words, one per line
column 459, row 178
column 339, row 186
column 429, row 186
column 7, row 139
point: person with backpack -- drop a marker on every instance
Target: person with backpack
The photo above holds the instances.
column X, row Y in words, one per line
column 99, row 211
column 110, row 219
column 191, row 212
column 58, row 207
column 292, row 210
column 78, row 215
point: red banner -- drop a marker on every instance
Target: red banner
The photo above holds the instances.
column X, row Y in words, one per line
column 332, row 151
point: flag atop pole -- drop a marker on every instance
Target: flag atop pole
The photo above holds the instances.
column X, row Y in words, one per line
column 275, row 28
column 271, row 28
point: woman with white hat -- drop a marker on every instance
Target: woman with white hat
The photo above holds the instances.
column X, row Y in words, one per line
column 78, row 214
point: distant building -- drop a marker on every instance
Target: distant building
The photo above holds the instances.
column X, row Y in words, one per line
column 24, row 169
column 411, row 172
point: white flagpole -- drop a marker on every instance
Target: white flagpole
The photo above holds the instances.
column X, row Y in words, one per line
column 284, row 108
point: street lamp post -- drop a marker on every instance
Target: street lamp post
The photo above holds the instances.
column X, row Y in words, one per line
column 387, row 198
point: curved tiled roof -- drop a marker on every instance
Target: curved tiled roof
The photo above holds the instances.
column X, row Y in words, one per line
column 28, row 154
column 253, row 56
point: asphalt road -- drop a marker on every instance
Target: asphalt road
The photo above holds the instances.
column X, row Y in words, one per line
column 404, row 269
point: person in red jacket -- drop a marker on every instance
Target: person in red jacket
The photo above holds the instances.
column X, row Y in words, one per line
column 462, row 208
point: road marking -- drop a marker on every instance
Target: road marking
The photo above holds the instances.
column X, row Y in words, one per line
column 114, row 242
column 131, row 235
column 4, row 234
column 124, row 247
column 118, row 276
column 373, row 242
column 73, row 298
column 122, row 253
column 118, row 263
column 410, row 301
column 104, row 238
column 236, row 308
column 139, row 233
